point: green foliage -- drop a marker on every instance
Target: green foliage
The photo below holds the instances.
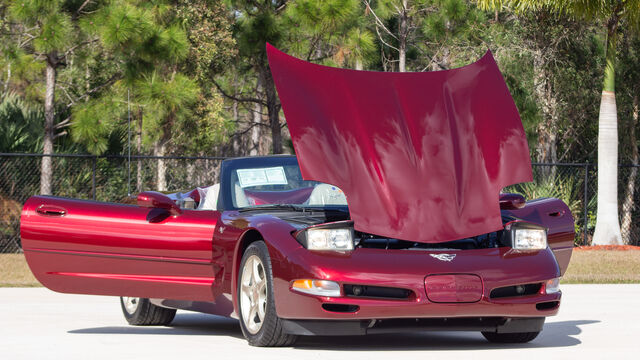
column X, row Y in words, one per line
column 55, row 33
column 167, row 53
column 93, row 122
column 452, row 20
column 19, row 124
column 357, row 46
column 120, row 25
column 209, row 34
column 565, row 188
column 32, row 11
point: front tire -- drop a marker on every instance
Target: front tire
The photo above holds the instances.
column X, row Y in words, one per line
column 510, row 338
column 141, row 312
column 259, row 322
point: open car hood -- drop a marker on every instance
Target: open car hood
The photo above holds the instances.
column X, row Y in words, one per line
column 420, row 156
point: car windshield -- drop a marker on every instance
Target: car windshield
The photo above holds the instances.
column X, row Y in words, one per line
column 280, row 184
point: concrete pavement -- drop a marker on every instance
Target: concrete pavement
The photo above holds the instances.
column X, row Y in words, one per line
column 595, row 322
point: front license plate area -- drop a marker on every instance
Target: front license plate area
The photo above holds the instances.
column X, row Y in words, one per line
column 454, row 288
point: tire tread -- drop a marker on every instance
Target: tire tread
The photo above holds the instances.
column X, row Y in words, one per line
column 149, row 314
column 271, row 334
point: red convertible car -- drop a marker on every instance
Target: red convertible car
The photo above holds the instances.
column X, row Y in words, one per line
column 389, row 218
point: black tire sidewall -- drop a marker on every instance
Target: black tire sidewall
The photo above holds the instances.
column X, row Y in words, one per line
column 263, row 336
column 510, row 338
column 134, row 318
column 148, row 314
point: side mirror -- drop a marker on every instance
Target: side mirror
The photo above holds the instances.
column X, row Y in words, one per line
column 154, row 199
column 511, row 201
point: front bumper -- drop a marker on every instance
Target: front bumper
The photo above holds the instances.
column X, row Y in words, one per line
column 407, row 269
column 364, row 327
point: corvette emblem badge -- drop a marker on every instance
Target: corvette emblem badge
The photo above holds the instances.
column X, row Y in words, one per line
column 444, row 257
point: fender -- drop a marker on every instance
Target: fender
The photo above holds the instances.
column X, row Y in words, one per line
column 555, row 215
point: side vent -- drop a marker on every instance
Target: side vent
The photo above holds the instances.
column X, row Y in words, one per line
column 341, row 308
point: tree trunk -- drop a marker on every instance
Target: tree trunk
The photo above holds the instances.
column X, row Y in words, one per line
column 46, row 170
column 607, row 226
column 161, row 172
column 273, row 109
column 359, row 64
column 139, row 149
column 255, row 130
column 546, row 148
column 256, row 123
column 402, row 38
column 87, row 82
column 628, row 206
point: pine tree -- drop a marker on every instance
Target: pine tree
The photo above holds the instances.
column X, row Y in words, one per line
column 49, row 31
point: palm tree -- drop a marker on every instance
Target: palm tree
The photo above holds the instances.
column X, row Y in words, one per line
column 613, row 13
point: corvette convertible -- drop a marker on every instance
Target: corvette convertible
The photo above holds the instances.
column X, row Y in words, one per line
column 389, row 218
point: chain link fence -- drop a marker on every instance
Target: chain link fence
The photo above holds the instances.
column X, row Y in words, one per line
column 112, row 178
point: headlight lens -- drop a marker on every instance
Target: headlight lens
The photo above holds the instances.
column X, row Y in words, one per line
column 329, row 239
column 529, row 239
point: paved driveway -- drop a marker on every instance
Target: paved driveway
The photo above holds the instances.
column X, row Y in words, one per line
column 595, row 322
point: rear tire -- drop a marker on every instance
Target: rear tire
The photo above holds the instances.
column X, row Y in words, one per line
column 141, row 312
column 260, row 324
column 510, row 338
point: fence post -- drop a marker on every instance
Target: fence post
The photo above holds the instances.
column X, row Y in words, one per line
column 93, row 177
column 585, row 205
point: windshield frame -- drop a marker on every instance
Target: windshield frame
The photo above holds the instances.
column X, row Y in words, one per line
column 228, row 167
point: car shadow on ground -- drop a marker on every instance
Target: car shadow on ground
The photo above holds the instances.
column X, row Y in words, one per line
column 555, row 334
column 183, row 324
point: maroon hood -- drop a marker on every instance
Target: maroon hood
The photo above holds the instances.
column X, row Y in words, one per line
column 420, row 156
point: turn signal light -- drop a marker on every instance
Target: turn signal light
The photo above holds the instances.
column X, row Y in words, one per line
column 316, row 287
column 552, row 286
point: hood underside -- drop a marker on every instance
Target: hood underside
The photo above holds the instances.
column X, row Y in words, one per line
column 420, row 156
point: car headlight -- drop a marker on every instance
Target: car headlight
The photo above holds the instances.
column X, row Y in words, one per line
column 530, row 239
column 326, row 238
column 527, row 236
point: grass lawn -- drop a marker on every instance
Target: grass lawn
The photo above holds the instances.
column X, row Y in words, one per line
column 603, row 267
column 14, row 271
column 586, row 267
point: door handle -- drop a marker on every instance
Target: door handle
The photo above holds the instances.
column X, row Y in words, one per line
column 51, row 210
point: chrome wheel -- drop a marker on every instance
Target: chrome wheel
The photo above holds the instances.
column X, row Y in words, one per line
column 253, row 294
column 130, row 304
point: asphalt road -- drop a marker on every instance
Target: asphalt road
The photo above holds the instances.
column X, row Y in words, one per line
column 595, row 322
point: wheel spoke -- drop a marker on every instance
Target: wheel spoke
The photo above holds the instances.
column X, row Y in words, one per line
column 261, row 304
column 246, row 290
column 253, row 312
column 253, row 294
column 256, row 272
column 130, row 304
